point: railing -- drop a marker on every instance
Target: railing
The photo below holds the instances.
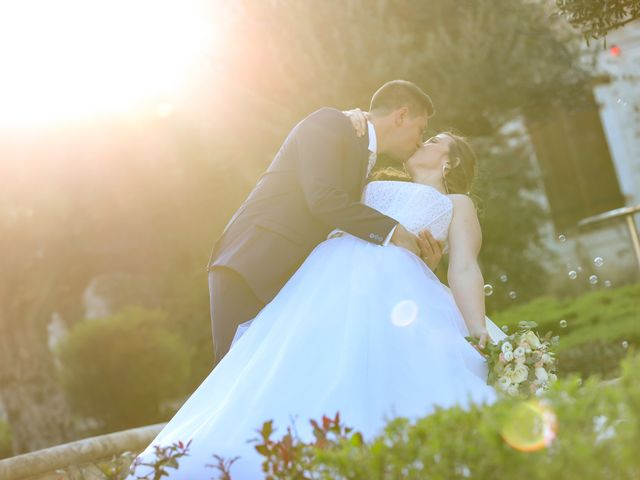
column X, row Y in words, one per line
column 44, row 464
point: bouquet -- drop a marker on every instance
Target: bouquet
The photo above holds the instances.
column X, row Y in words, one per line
column 522, row 364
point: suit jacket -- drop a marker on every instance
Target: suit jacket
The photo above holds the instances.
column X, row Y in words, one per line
column 313, row 186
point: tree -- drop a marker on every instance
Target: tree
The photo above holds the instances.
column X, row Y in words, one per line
column 485, row 64
column 596, row 18
column 151, row 195
column 31, row 279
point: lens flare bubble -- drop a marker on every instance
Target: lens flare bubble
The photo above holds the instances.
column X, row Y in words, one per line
column 530, row 426
column 404, row 313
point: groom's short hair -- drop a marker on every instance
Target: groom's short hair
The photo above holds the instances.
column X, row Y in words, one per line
column 401, row 93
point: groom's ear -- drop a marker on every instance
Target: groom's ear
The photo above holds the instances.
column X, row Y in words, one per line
column 400, row 115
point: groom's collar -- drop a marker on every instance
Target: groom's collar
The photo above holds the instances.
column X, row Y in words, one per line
column 373, row 140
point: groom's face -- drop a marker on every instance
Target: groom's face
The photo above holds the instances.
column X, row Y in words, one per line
column 408, row 134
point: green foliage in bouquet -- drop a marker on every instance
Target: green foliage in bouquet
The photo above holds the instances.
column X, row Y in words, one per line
column 122, row 369
column 597, row 328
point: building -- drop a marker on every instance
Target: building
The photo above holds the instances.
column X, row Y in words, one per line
column 589, row 162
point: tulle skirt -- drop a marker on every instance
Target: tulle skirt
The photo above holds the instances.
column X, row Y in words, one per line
column 360, row 329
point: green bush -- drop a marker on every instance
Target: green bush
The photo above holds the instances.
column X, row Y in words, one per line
column 600, row 327
column 6, row 449
column 124, row 369
column 597, row 437
column 586, row 431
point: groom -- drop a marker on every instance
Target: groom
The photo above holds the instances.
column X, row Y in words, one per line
column 312, row 187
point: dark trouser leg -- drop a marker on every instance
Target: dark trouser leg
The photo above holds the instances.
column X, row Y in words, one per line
column 232, row 303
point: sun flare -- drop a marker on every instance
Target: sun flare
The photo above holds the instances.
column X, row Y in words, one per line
column 71, row 59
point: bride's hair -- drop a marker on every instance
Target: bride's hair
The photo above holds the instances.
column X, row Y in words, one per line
column 462, row 166
column 458, row 177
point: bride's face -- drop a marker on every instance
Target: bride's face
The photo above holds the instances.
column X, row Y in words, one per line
column 433, row 154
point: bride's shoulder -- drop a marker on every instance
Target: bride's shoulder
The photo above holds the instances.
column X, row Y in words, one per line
column 460, row 197
column 462, row 203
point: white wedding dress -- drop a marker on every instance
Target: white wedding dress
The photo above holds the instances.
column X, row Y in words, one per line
column 362, row 329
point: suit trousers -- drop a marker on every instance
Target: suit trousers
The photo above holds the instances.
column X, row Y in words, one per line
column 232, row 302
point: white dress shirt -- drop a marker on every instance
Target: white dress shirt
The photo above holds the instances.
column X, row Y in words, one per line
column 373, row 156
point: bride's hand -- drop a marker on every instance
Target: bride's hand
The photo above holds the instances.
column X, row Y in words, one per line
column 430, row 249
column 481, row 333
column 358, row 120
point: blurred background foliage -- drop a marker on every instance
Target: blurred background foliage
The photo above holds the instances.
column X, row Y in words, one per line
column 116, row 379
column 146, row 194
column 596, row 18
column 596, row 329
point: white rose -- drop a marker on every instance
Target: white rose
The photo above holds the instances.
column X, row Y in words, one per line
column 506, row 347
column 508, row 356
column 525, row 345
column 511, row 375
column 518, row 352
column 512, row 390
column 541, row 374
column 546, row 358
column 532, row 339
column 520, row 373
column 504, row 383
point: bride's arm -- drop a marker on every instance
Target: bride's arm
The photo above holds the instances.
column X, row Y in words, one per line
column 465, row 278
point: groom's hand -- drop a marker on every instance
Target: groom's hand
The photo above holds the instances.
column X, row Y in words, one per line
column 405, row 239
column 430, row 249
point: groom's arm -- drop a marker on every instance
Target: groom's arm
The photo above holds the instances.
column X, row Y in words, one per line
column 320, row 141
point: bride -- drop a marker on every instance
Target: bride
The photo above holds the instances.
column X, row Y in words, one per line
column 362, row 329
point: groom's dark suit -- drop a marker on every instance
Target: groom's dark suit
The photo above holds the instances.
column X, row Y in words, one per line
column 312, row 186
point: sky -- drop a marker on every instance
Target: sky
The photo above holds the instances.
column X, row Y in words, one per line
column 75, row 59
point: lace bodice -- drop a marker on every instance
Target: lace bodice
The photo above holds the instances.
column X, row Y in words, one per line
column 414, row 205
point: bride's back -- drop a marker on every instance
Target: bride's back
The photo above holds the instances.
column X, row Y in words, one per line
column 414, row 205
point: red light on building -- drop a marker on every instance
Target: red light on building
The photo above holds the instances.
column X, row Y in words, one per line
column 615, row 50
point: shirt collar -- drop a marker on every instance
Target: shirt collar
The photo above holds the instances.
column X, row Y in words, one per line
column 373, row 140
